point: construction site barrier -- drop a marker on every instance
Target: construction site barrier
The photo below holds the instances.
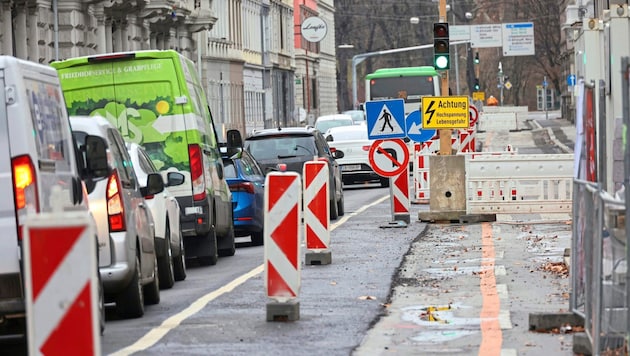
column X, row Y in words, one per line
column 519, row 183
column 499, row 121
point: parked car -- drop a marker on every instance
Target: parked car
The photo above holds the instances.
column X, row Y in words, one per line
column 294, row 146
column 247, row 183
column 354, row 143
column 323, row 123
column 127, row 258
column 165, row 212
column 358, row 116
column 41, row 172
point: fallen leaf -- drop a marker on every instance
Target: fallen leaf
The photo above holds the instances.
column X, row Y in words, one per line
column 367, row 297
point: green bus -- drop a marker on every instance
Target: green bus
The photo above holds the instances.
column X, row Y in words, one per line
column 409, row 83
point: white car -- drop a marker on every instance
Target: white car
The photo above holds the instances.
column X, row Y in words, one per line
column 355, row 165
column 165, row 211
column 323, row 123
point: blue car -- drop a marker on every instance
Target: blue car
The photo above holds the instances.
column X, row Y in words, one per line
column 247, row 184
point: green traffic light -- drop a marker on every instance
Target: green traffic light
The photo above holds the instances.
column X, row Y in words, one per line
column 441, row 62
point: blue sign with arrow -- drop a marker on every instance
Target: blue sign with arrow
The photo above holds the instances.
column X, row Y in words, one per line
column 385, row 119
column 414, row 128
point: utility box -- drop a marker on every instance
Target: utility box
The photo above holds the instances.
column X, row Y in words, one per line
column 448, row 186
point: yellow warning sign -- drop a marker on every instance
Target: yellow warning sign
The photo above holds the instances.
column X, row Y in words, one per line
column 479, row 95
column 445, row 112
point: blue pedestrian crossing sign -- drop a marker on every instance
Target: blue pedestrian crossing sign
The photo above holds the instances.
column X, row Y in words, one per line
column 385, row 119
column 414, row 128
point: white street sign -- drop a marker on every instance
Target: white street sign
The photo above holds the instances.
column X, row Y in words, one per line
column 485, row 36
column 518, row 39
column 459, row 32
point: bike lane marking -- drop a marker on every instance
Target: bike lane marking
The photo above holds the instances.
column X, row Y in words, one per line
column 491, row 334
column 154, row 335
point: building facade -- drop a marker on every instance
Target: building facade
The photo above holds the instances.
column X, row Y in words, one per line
column 257, row 70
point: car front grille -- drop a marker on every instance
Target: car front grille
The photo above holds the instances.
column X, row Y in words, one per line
column 10, row 286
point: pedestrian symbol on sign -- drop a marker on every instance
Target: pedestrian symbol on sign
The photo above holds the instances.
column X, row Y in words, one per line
column 386, row 117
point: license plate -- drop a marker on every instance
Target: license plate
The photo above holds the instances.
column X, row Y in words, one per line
column 351, row 167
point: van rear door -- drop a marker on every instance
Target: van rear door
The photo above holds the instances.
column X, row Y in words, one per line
column 9, row 252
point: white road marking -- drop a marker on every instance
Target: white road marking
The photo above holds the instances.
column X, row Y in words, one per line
column 156, row 334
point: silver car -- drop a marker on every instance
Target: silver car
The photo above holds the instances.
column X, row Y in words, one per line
column 127, row 255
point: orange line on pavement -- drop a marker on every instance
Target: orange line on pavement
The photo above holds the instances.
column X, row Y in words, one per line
column 491, row 335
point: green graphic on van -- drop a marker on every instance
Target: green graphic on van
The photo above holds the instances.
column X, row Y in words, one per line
column 136, row 124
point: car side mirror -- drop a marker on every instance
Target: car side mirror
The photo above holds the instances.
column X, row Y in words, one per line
column 155, row 184
column 234, row 139
column 174, row 179
column 337, row 154
column 329, row 138
column 95, row 149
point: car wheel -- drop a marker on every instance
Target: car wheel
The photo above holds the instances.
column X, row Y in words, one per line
column 384, row 182
column 179, row 261
column 130, row 303
column 341, row 210
column 101, row 303
column 258, row 238
column 165, row 267
column 230, row 251
column 333, row 210
column 210, row 256
column 152, row 290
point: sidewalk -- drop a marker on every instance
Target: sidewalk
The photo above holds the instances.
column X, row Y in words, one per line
column 468, row 289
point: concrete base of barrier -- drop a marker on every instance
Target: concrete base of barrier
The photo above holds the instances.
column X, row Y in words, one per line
column 582, row 344
column 402, row 217
column 550, row 321
column 437, row 216
column 394, row 224
column 477, row 218
column 318, row 258
column 287, row 311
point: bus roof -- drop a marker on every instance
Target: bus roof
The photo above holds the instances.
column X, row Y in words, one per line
column 402, row 72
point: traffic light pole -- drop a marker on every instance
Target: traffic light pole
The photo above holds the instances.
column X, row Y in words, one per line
column 445, row 134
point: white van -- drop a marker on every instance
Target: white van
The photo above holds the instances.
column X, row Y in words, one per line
column 39, row 170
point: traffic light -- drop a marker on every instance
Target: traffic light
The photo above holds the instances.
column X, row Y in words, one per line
column 441, row 46
column 477, row 86
column 476, row 57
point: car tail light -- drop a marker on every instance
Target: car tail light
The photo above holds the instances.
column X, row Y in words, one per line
column 246, row 187
column 365, row 148
column 115, row 206
column 196, row 172
column 332, row 149
column 24, row 187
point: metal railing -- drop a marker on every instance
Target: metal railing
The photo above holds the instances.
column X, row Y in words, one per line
column 598, row 266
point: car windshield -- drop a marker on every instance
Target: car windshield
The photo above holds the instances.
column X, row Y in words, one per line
column 281, row 146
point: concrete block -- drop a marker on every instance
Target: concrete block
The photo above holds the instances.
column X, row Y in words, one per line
column 548, row 321
column 283, row 311
column 318, row 258
column 448, row 184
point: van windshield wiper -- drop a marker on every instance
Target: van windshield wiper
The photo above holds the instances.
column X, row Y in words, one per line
column 287, row 156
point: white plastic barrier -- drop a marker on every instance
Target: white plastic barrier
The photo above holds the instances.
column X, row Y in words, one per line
column 497, row 121
column 522, row 113
column 519, row 183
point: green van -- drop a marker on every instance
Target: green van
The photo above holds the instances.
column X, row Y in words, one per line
column 155, row 99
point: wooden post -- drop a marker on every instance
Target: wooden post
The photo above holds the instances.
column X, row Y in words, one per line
column 445, row 134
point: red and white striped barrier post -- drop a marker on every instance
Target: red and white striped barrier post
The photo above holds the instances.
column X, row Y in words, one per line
column 399, row 193
column 60, row 271
column 283, row 206
column 421, row 173
column 316, row 213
